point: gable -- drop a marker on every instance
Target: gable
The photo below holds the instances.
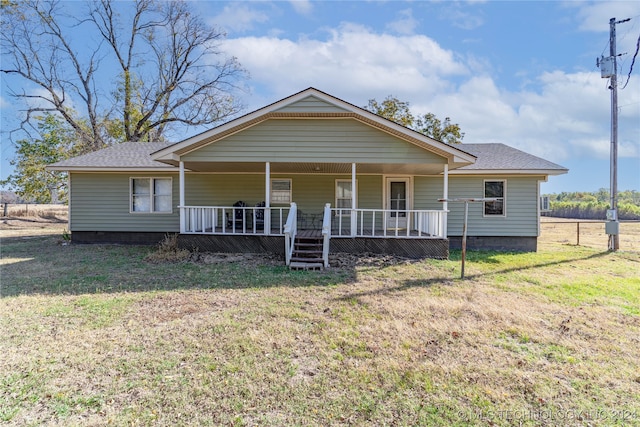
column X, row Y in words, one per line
column 331, row 140
column 311, row 104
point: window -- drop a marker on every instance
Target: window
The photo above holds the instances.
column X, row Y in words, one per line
column 151, row 195
column 544, row 204
column 281, row 191
column 495, row 189
column 343, row 195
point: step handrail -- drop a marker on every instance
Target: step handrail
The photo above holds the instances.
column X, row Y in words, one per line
column 326, row 234
column 290, row 231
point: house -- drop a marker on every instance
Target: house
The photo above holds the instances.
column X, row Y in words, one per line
column 303, row 176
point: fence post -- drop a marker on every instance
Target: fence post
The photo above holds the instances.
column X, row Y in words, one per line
column 578, row 233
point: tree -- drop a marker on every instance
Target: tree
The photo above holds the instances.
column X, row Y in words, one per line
column 393, row 109
column 31, row 180
column 168, row 69
column 428, row 124
column 444, row 131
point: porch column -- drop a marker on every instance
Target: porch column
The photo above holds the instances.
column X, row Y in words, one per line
column 445, row 196
column 267, row 199
column 183, row 224
column 354, row 214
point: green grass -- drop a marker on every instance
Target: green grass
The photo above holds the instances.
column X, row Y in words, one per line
column 94, row 335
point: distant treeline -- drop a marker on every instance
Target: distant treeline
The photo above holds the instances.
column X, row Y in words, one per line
column 594, row 205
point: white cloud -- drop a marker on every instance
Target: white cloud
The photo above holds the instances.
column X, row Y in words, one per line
column 557, row 116
column 351, row 60
column 595, row 16
column 4, row 103
column 238, row 17
column 462, row 18
column 303, row 7
column 405, row 23
column 567, row 115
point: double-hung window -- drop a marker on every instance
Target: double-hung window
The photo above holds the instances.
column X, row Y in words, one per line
column 344, row 192
column 151, row 195
column 495, row 189
column 280, row 191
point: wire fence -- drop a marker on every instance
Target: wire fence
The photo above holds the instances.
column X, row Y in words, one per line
column 588, row 233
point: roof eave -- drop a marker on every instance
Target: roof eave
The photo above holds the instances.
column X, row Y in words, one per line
column 110, row 169
column 509, row 171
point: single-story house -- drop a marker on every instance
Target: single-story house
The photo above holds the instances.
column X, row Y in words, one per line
column 304, row 176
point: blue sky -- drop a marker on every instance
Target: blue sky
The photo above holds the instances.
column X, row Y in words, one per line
column 520, row 73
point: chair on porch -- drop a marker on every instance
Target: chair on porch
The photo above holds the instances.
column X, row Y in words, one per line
column 238, row 215
column 259, row 216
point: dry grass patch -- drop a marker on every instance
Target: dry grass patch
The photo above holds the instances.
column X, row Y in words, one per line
column 37, row 212
column 591, row 233
column 168, row 251
column 103, row 337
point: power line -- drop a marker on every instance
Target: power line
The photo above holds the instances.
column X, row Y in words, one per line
column 632, row 62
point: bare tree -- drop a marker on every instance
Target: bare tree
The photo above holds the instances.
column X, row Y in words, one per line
column 170, row 69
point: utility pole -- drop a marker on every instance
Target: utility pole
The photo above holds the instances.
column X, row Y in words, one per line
column 609, row 69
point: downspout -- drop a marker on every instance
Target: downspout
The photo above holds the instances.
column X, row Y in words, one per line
column 183, row 225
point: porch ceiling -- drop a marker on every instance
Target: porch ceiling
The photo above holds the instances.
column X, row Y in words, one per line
column 317, row 168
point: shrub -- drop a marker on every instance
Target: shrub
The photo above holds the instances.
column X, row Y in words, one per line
column 169, row 251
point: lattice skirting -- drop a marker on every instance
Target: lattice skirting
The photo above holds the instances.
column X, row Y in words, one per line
column 232, row 244
column 410, row 248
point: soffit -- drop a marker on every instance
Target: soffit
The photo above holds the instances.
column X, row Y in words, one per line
column 315, row 168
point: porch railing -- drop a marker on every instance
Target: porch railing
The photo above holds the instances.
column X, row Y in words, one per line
column 290, row 231
column 411, row 223
column 337, row 222
column 233, row 220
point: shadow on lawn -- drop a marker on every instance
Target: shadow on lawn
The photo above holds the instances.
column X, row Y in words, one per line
column 484, row 257
column 42, row 265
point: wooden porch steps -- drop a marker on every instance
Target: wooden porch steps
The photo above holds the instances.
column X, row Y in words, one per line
column 307, row 251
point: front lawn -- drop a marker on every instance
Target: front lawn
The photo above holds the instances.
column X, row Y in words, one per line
column 95, row 335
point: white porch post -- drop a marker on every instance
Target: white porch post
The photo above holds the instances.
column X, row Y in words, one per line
column 183, row 224
column 267, row 199
column 445, row 195
column 354, row 214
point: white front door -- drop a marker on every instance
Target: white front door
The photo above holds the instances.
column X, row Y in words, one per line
column 397, row 203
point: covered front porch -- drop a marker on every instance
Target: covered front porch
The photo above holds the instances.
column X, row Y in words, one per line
column 320, row 198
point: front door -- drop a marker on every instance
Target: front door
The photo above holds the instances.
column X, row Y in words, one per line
column 397, row 202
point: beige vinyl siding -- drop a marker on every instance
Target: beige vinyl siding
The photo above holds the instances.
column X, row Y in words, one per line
column 311, row 104
column 521, row 207
column 318, row 140
column 101, row 202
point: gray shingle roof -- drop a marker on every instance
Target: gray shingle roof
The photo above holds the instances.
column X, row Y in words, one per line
column 137, row 155
column 502, row 157
column 125, row 155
